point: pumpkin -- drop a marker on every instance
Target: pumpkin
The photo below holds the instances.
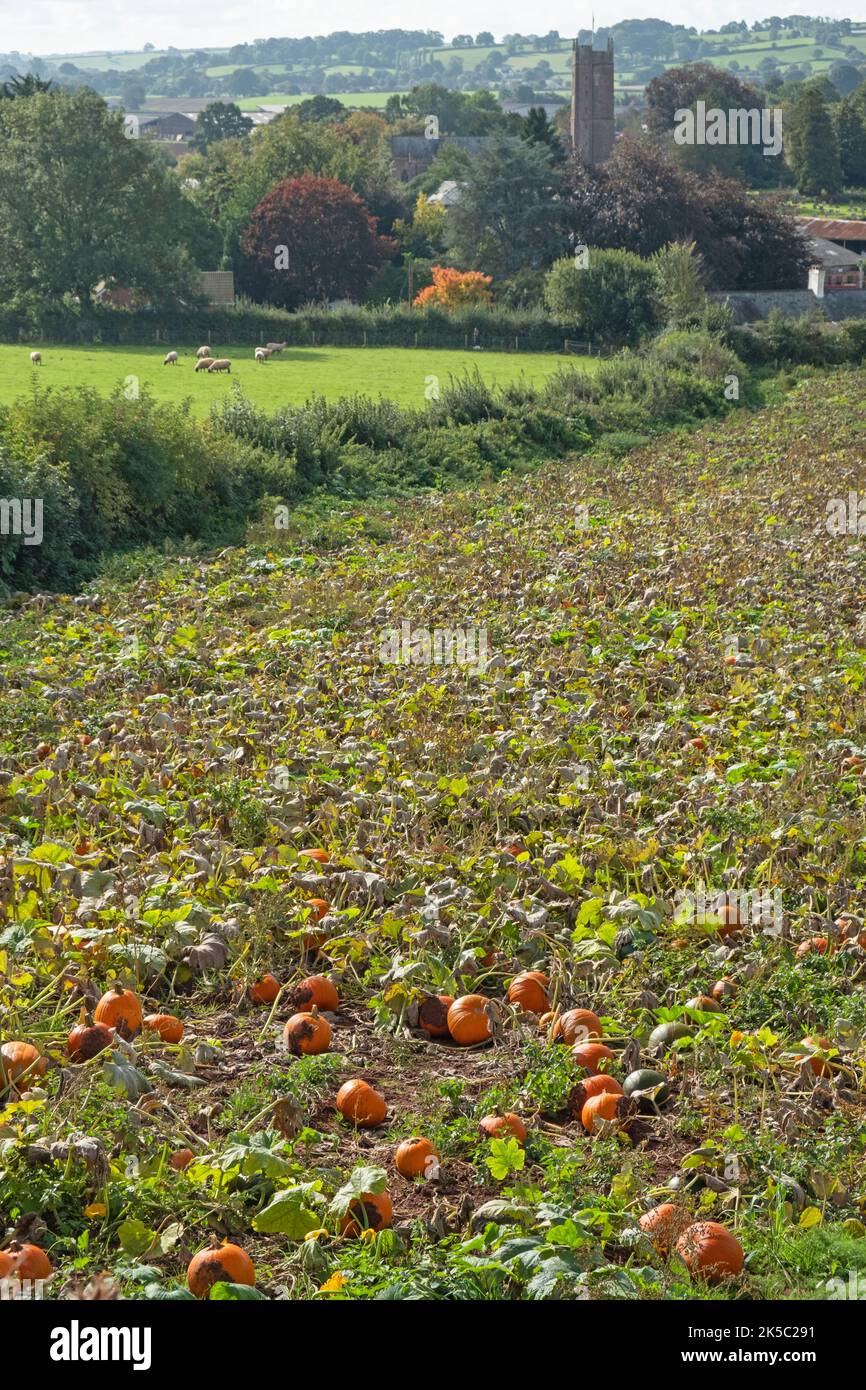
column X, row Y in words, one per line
column 469, row 1019
column 321, row 856
column 667, row 1033
column 221, row 1262
column 7, row 1264
column 29, row 1261
column 664, row 1224
column 820, row 1066
column 724, row 988
column 816, row 944
column 308, row 1033
column 169, row 1028
column 87, row 1039
column 577, row 1026
column 265, row 990
column 372, row 1211
column 729, row 912
column 318, row 990
column 704, row 1003
column 358, row 1102
column 504, row 1126
column 415, row 1157
column 590, row 1055
column 20, row 1065
column 592, row 1086
column 181, row 1158
column 708, row 1248
column 433, row 1014
column 645, row 1079
column 319, row 906
column 605, row 1106
column 529, row 991
column 120, row 1009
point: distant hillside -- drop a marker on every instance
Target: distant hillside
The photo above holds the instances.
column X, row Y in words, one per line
column 366, row 68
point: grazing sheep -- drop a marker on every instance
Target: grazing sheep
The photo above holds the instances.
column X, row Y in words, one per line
column 203, row 364
column 275, row 347
column 204, row 351
column 170, row 359
column 262, row 354
column 220, row 364
column 36, row 359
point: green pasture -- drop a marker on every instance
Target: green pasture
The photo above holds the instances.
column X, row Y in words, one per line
column 402, row 374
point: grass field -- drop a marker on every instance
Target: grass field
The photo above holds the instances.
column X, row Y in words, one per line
column 298, row 373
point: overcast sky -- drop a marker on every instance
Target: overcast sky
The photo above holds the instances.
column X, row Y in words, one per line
column 73, row 26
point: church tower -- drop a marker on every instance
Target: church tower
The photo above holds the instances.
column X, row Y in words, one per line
column 592, row 102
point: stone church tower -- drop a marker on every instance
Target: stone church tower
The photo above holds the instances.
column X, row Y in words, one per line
column 592, row 102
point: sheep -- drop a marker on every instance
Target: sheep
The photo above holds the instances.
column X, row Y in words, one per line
column 220, row 364
column 36, row 359
column 262, row 354
column 203, row 364
column 275, row 347
column 204, row 351
column 170, row 359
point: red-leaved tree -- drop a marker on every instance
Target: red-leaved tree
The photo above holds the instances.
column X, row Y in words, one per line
column 311, row 239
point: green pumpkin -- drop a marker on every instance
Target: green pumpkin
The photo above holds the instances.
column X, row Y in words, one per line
column 668, row 1033
column 645, row 1079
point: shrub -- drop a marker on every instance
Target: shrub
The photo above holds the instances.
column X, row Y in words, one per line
column 612, row 299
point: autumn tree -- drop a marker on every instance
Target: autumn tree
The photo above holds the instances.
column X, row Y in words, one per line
column 453, row 289
column 311, row 239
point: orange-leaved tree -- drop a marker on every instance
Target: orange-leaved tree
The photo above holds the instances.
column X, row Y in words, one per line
column 451, row 288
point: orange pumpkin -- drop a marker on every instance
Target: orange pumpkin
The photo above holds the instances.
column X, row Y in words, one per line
column 181, row 1158
column 358, row 1102
column 169, row 1028
column 415, row 1157
column 433, row 1014
column 590, row 1055
column 320, row 856
column 469, row 1020
column 664, row 1224
column 7, row 1264
column 30, row 1261
column 604, row 1106
column 87, row 1039
column 318, row 990
column 529, row 991
column 319, row 906
column 820, row 1065
column 708, row 1248
column 724, row 989
column 577, row 1026
column 507, row 1126
column 372, row 1211
column 308, row 1033
column 20, row 1066
column 120, row 1009
column 222, row 1262
column 815, row 944
column 704, row 1003
column 265, row 990
column 592, row 1086
column 729, row 912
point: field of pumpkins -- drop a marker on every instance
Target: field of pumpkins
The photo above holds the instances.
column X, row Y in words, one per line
column 324, row 978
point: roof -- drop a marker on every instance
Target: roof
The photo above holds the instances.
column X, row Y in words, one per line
column 448, row 193
column 828, row 254
column 834, row 228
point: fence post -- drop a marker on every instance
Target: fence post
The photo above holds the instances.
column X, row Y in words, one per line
column 516, row 343
column 416, row 337
column 365, row 337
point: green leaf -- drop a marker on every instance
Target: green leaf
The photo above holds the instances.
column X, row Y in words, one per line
column 361, row 1181
column 236, row 1293
column 289, row 1213
column 136, row 1238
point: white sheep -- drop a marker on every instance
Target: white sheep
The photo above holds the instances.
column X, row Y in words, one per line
column 170, row 359
column 204, row 351
column 220, row 364
column 36, row 359
column 275, row 347
column 203, row 364
column 262, row 354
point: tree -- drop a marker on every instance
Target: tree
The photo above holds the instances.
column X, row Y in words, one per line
column 612, row 298
column 453, row 289
column 810, row 144
column 221, row 120
column 679, row 282
column 79, row 203
column 845, row 77
column 538, row 130
column 26, row 86
column 133, row 95
column 425, row 236
column 509, row 216
column 679, row 89
column 851, row 141
column 320, row 108
column 311, row 239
